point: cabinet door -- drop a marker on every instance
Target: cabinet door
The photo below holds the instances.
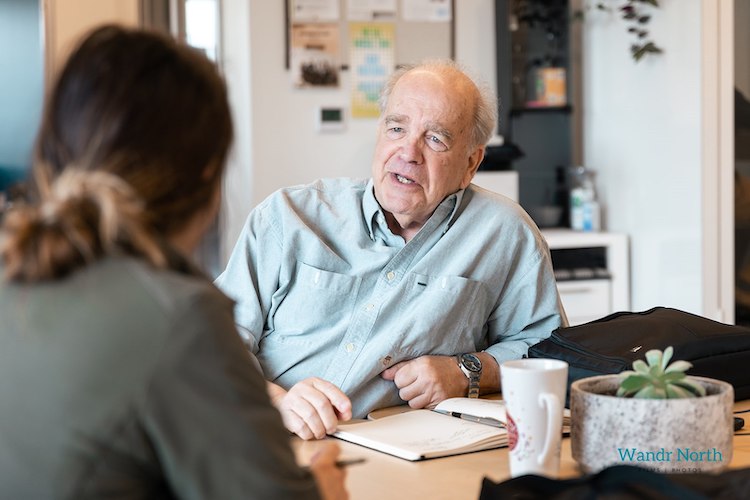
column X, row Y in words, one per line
column 585, row 300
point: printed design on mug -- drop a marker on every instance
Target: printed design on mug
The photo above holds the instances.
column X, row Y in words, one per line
column 520, row 444
column 512, row 432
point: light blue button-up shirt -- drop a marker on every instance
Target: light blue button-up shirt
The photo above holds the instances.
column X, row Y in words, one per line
column 324, row 288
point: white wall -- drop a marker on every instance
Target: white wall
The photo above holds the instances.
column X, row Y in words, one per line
column 643, row 135
column 278, row 122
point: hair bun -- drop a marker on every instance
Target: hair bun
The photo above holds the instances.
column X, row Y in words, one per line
column 111, row 198
column 83, row 215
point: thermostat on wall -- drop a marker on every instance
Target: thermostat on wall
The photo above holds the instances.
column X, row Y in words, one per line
column 330, row 119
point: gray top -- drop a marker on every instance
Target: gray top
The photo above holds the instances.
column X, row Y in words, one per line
column 126, row 382
column 324, row 288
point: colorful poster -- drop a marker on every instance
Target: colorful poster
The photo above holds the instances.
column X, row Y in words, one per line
column 371, row 61
column 314, row 54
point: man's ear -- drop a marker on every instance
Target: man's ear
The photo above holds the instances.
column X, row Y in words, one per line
column 475, row 158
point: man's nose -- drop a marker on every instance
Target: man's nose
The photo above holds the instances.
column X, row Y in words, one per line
column 411, row 151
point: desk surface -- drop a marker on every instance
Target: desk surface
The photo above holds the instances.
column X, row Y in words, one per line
column 457, row 477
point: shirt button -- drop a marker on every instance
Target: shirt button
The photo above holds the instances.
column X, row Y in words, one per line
column 390, row 275
column 349, row 347
column 369, row 307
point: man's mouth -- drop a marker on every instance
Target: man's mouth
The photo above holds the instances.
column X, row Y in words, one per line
column 403, row 180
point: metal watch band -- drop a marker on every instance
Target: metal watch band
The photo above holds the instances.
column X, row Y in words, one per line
column 473, row 386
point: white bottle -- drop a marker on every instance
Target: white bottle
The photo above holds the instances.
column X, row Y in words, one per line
column 577, row 200
column 584, row 208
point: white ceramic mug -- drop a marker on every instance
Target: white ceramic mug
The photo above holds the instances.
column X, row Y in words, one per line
column 534, row 395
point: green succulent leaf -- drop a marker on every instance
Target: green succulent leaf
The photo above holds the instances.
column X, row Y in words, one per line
column 654, row 357
column 679, row 366
column 676, row 392
column 670, row 377
column 666, row 357
column 692, row 386
column 640, row 366
column 656, row 372
column 651, row 392
column 634, row 382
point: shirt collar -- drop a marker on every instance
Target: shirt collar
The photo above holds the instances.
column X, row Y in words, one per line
column 371, row 208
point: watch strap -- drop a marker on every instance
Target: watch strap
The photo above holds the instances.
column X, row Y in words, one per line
column 473, row 386
column 473, row 377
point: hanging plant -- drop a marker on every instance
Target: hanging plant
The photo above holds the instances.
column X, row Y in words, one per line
column 636, row 16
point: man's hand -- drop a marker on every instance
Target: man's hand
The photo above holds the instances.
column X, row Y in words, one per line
column 427, row 380
column 312, row 408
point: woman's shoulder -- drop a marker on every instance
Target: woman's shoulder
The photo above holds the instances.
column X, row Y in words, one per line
column 169, row 291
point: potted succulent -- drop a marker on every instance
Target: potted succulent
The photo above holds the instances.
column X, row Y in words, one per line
column 655, row 417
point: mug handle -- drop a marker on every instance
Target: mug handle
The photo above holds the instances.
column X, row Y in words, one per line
column 554, row 423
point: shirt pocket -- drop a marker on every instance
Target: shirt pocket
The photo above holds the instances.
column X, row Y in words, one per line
column 316, row 301
column 442, row 315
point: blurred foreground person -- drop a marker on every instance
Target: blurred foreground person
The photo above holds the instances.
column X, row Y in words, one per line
column 121, row 372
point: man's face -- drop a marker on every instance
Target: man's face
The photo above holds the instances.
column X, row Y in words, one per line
column 423, row 151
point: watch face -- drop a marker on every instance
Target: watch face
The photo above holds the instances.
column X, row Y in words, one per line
column 471, row 362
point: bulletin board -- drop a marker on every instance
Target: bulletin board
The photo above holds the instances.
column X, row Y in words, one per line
column 419, row 29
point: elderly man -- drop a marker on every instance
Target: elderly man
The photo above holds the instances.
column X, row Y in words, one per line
column 412, row 286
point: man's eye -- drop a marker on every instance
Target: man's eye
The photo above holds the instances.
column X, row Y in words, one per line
column 436, row 144
column 394, row 132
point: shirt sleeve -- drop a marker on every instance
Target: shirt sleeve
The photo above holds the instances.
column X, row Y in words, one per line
column 530, row 308
column 208, row 414
column 251, row 285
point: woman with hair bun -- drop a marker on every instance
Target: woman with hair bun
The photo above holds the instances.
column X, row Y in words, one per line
column 121, row 372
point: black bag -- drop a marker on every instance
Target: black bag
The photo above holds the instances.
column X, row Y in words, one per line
column 623, row 482
column 611, row 344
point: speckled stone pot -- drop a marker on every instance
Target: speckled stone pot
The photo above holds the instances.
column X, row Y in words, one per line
column 665, row 435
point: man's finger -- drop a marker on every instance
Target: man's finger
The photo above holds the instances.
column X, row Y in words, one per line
column 295, row 424
column 308, row 418
column 335, row 396
column 390, row 372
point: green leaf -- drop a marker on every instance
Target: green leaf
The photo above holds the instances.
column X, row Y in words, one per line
column 653, row 357
column 640, row 366
column 691, row 385
column 650, row 47
column 639, row 51
column 651, row 392
column 677, row 392
column 655, row 371
column 666, row 357
column 673, row 376
column 679, row 366
column 634, row 382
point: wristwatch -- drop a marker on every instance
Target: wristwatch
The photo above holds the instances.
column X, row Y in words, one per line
column 471, row 365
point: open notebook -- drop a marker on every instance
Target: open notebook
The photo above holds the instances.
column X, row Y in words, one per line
column 455, row 426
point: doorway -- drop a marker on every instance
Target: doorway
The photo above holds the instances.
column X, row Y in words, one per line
column 741, row 163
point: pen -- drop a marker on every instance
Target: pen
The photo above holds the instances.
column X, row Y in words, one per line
column 473, row 418
column 343, row 463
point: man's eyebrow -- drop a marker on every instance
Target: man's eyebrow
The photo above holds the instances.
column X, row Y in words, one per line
column 439, row 129
column 396, row 119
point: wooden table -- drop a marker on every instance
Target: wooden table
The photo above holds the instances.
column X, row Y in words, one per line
column 458, row 477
